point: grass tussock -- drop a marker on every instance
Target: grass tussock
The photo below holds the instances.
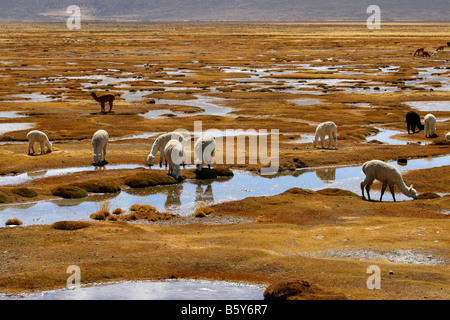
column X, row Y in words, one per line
column 95, row 186
column 24, row 192
column 3, row 197
column 69, row 225
column 69, row 192
column 202, row 212
column 13, row 222
column 224, row 172
column 336, row 192
column 206, row 173
column 117, row 211
column 136, row 212
column 100, row 215
column 149, row 179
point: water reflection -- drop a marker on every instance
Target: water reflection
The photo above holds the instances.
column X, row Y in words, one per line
column 185, row 198
column 204, row 192
column 326, row 175
column 154, row 290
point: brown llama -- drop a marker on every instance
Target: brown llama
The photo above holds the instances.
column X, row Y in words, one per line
column 419, row 52
column 441, row 48
column 425, row 54
column 103, row 99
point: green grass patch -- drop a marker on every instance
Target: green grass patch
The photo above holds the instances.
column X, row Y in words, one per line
column 69, row 192
column 149, row 179
column 98, row 186
column 24, row 192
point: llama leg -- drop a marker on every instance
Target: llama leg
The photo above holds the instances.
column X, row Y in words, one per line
column 322, row 142
column 383, row 188
column 104, row 153
column 362, row 190
column 110, row 105
column 368, row 190
column 102, row 104
column 335, row 139
column 391, row 188
column 366, row 183
column 42, row 147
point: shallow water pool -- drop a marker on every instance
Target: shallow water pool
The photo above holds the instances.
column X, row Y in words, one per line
column 186, row 197
column 153, row 290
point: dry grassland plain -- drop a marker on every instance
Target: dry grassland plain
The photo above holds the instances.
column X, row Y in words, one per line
column 283, row 76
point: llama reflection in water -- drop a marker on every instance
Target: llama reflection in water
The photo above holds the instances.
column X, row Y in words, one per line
column 326, row 175
column 206, row 194
column 173, row 196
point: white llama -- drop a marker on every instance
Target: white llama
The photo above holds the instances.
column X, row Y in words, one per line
column 329, row 129
column 388, row 175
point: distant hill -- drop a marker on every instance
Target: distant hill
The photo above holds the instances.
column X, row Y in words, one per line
column 225, row 10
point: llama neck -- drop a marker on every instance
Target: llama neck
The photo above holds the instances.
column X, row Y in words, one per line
column 155, row 148
column 403, row 188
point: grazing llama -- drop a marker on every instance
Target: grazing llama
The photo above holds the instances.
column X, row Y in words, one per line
column 388, row 175
column 419, row 52
column 160, row 144
column 329, row 129
column 425, row 54
column 204, row 149
column 103, row 99
column 413, row 121
column 441, row 48
column 430, row 125
column 174, row 154
column 41, row 138
column 99, row 142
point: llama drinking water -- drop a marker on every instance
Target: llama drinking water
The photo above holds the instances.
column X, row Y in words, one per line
column 160, row 144
column 204, row 149
column 174, row 154
column 388, row 175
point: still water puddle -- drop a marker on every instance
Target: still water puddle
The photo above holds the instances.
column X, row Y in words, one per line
column 186, row 197
column 207, row 104
column 386, row 136
column 153, row 290
column 11, row 127
column 428, row 106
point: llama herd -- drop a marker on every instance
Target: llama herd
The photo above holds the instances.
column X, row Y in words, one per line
column 423, row 53
column 169, row 145
column 171, row 149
